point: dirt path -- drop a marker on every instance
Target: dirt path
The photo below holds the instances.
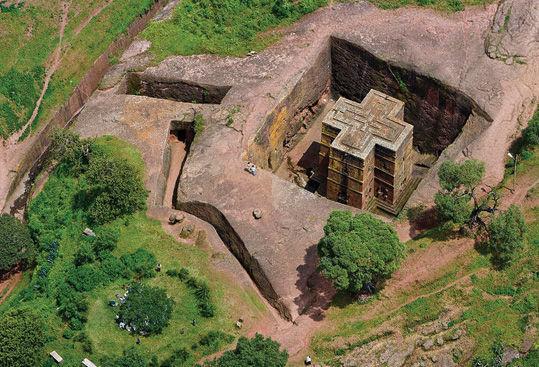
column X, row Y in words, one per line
column 56, row 57
column 94, row 14
column 7, row 285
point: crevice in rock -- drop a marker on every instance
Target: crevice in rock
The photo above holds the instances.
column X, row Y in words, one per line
column 235, row 244
column 181, row 135
column 178, row 90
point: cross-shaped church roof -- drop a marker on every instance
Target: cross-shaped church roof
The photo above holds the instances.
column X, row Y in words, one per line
column 377, row 120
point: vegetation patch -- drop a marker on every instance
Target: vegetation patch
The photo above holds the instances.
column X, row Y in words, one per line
column 76, row 276
column 224, row 27
column 30, row 34
column 442, row 5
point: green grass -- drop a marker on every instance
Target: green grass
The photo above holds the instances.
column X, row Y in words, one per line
column 223, row 27
column 30, row 35
column 441, row 5
column 59, row 194
column 497, row 303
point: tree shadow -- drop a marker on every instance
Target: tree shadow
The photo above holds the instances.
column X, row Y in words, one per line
column 421, row 220
column 316, row 291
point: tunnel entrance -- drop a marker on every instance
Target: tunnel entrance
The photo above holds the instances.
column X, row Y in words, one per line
column 181, row 135
column 178, row 90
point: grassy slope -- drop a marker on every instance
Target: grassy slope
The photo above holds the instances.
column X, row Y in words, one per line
column 232, row 301
column 223, row 27
column 487, row 301
column 29, row 36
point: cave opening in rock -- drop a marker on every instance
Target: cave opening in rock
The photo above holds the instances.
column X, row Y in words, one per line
column 174, row 89
column 181, row 135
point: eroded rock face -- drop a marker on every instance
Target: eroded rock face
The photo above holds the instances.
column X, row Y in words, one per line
column 514, row 33
column 437, row 111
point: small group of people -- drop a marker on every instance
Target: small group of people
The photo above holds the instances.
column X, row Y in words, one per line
column 251, row 168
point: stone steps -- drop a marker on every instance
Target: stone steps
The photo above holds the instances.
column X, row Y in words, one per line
column 394, row 209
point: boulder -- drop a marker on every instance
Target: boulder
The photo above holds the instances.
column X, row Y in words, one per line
column 525, row 346
column 176, row 218
column 446, row 360
column 187, row 231
column 457, row 335
column 509, row 354
column 440, row 341
column 428, row 344
column 257, row 213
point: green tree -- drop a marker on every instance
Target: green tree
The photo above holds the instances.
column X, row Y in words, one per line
column 258, row 351
column 67, row 145
column 117, row 186
column 530, row 135
column 22, row 337
column 146, row 309
column 506, row 233
column 357, row 250
column 15, row 241
column 457, row 200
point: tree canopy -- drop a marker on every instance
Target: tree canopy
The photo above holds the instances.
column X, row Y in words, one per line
column 22, row 337
column 507, row 232
column 146, row 309
column 118, row 188
column 258, row 351
column 15, row 241
column 458, row 200
column 357, row 250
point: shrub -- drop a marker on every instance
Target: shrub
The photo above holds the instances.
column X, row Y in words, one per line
column 85, row 341
column 146, row 309
column 15, row 241
column 257, row 351
column 117, row 187
column 507, row 233
column 84, row 278
column 22, row 337
column 183, row 274
column 181, row 357
column 172, row 273
column 71, row 304
column 141, row 264
column 112, row 267
column 106, row 239
column 129, row 358
column 76, row 324
column 213, row 340
column 68, row 334
column 202, row 293
column 84, row 254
